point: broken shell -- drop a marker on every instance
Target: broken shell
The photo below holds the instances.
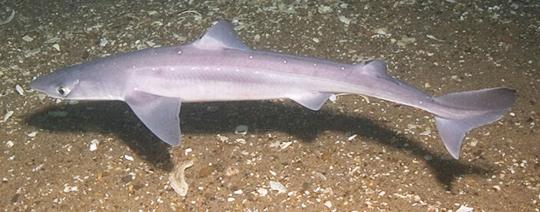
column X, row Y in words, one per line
column 177, row 178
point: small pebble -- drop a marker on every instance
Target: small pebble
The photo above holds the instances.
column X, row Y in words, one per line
column 240, row 140
column 37, row 168
column 241, row 130
column 274, row 144
column 9, row 144
column 463, row 208
column 231, row 171
column 284, row 145
column 53, row 40
column 19, row 90
column 344, row 20
column 187, row 151
column 70, row 189
column 323, row 9
column 277, row 186
column 222, row 138
column 262, row 191
column 427, row 132
column 32, row 52
column 56, row 46
column 433, row 38
column 474, row 142
column 103, row 42
column 27, row 38
column 127, row 157
column 328, row 204
column 7, row 116
column 404, row 41
column 150, row 43
column 381, row 31
column 93, row 145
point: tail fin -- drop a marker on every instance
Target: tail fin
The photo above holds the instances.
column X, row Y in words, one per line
column 494, row 101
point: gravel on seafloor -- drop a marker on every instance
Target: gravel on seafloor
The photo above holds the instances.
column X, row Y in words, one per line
column 356, row 154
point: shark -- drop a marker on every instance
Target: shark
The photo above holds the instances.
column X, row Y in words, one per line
column 218, row 66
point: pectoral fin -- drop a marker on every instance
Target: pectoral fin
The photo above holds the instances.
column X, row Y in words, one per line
column 311, row 100
column 160, row 114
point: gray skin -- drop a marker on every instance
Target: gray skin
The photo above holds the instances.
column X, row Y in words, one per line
column 219, row 67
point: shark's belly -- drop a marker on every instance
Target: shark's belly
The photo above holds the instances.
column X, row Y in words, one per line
column 224, row 91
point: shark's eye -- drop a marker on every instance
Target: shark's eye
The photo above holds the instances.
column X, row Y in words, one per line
column 62, row 91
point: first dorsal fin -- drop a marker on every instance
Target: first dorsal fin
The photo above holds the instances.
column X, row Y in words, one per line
column 376, row 68
column 219, row 36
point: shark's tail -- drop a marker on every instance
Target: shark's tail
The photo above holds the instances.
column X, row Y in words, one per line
column 491, row 103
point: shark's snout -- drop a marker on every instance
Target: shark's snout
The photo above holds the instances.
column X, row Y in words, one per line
column 51, row 83
column 37, row 84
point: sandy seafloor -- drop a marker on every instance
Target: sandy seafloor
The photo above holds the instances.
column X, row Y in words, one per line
column 358, row 153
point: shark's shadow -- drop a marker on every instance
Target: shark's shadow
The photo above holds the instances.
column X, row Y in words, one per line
column 213, row 118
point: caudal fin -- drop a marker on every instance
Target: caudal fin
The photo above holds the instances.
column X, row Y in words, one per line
column 492, row 103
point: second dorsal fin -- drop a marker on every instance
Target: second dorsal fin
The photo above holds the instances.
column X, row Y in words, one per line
column 219, row 36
